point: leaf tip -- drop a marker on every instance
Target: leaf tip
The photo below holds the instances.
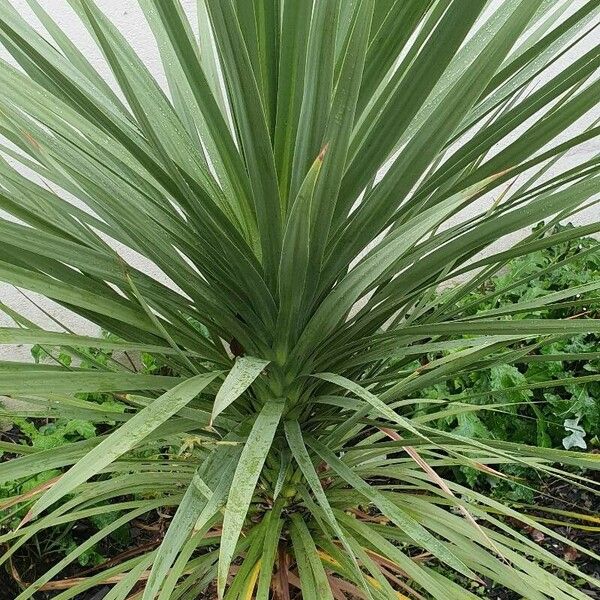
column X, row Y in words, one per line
column 26, row 519
column 321, row 156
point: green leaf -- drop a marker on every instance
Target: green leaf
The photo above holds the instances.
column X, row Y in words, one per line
column 306, row 553
column 296, row 442
column 9, row 335
column 419, row 534
column 295, row 26
column 317, row 89
column 245, row 370
column 12, row 383
column 373, row 400
column 123, row 440
column 253, row 130
column 244, row 483
column 197, row 508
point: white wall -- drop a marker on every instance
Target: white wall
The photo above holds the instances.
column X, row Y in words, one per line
column 127, row 15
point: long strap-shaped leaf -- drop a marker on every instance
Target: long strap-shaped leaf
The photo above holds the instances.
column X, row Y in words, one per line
column 259, row 21
column 318, row 87
column 403, row 97
column 124, row 439
column 295, row 26
column 215, row 473
column 203, row 94
column 378, row 207
column 294, row 263
column 371, row 399
column 72, row 382
column 240, row 211
column 251, row 121
column 338, row 134
column 295, row 440
column 415, row 571
column 11, row 335
column 400, row 518
column 392, row 26
column 339, row 301
column 273, row 526
column 245, row 370
column 309, row 562
column 75, row 56
column 244, row 483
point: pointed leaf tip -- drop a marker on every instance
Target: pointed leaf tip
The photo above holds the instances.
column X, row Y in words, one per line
column 243, row 373
column 321, row 156
column 26, row 519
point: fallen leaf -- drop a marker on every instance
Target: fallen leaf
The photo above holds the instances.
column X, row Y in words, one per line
column 571, row 554
column 537, row 536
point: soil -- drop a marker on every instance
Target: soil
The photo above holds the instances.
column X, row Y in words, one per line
column 563, row 496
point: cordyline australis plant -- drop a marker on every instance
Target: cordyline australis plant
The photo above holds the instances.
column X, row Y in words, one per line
column 305, row 282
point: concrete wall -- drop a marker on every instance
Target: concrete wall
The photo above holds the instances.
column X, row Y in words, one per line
column 128, row 16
